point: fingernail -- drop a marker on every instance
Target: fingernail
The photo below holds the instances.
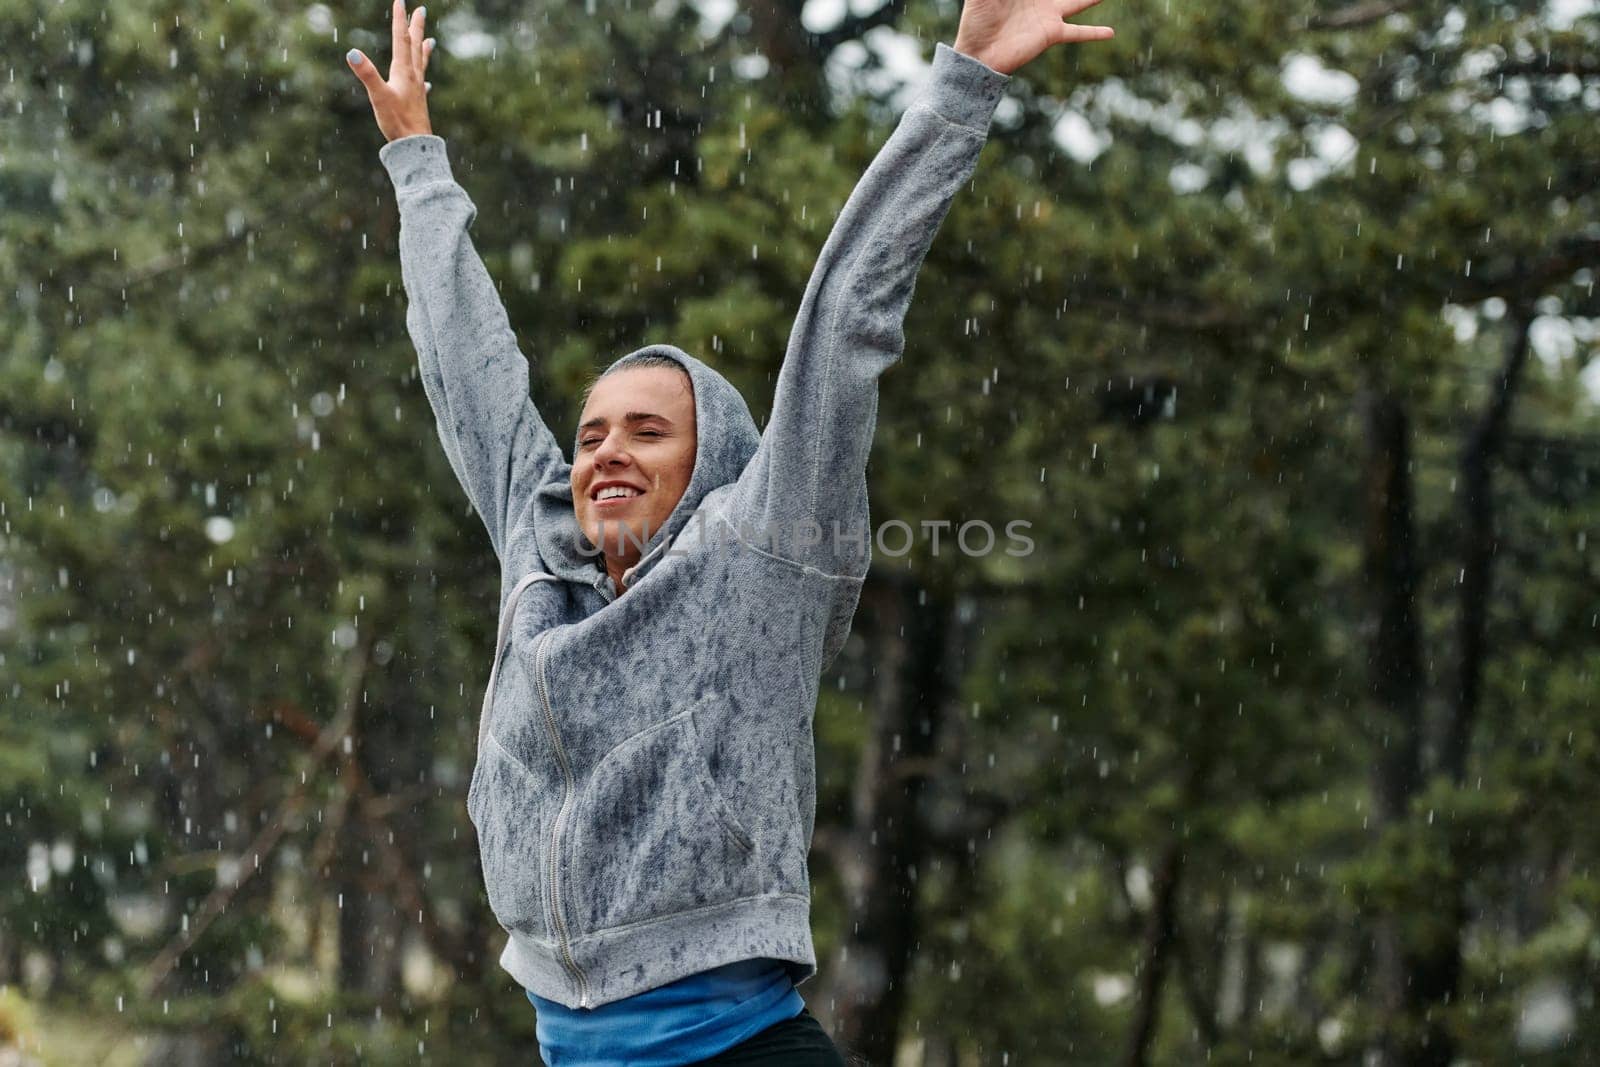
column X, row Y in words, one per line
column 422, row 12
column 353, row 57
column 428, row 44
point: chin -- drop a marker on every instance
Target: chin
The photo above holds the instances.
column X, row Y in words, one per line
column 622, row 537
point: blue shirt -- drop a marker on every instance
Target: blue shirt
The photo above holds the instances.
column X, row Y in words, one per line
column 691, row 1019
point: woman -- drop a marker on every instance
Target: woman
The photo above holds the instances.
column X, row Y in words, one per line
column 645, row 789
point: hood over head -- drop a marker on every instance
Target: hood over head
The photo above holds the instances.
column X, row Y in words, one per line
column 725, row 440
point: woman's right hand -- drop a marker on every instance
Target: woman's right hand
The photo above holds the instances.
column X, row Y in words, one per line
column 1005, row 34
column 400, row 104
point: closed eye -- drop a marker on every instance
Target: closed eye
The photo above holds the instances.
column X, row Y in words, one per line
column 590, row 441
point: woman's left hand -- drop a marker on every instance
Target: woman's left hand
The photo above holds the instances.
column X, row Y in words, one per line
column 1006, row 34
column 400, row 104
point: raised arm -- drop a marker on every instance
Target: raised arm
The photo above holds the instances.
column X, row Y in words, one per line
column 811, row 464
column 475, row 376
column 807, row 480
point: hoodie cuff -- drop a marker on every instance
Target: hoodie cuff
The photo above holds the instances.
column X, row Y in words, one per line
column 963, row 90
column 416, row 160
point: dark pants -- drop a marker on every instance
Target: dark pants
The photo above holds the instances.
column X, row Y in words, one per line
column 796, row 1042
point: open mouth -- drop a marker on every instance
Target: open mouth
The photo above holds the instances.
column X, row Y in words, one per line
column 615, row 496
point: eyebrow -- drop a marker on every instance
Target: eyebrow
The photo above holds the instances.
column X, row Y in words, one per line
column 630, row 417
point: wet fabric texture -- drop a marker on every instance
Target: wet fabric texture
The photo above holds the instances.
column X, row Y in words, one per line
column 645, row 788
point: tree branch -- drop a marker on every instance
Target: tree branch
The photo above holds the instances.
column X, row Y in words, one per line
column 1582, row 66
column 1565, row 258
column 265, row 841
column 1363, row 13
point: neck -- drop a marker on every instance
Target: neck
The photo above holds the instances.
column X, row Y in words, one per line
column 614, row 569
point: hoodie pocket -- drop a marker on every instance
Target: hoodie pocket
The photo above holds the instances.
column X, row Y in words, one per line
column 505, row 810
column 652, row 834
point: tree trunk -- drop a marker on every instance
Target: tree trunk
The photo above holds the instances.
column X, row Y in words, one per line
column 1163, row 935
column 1201, row 997
column 1160, row 940
column 1482, row 450
column 1436, row 971
column 888, row 841
column 369, row 929
column 369, row 921
column 794, row 57
column 1395, row 667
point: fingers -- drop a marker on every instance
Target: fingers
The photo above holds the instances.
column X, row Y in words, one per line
column 364, row 69
column 427, row 53
column 414, row 38
column 399, row 39
column 1073, row 34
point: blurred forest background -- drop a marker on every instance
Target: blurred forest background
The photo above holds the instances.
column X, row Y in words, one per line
column 1276, row 321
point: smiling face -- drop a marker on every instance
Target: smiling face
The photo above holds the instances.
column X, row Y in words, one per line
column 633, row 460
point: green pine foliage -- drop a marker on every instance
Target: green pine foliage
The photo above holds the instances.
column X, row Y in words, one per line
column 227, row 532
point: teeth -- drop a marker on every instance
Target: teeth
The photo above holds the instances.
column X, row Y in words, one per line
column 615, row 491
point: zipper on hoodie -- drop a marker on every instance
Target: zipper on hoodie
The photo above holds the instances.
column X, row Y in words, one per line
column 553, row 883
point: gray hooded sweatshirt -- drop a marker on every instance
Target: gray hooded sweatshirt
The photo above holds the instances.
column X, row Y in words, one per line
column 645, row 785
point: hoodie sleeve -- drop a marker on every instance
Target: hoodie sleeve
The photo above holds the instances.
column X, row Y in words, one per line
column 811, row 463
column 474, row 375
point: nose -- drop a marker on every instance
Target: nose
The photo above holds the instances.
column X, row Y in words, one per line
column 610, row 452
